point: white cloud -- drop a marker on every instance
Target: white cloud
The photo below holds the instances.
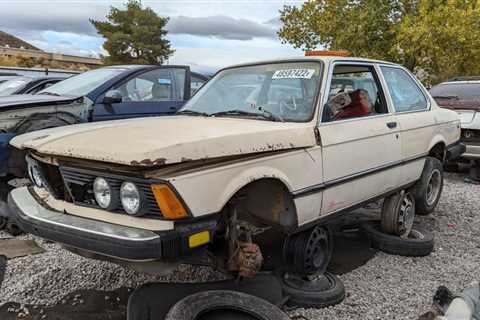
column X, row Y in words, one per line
column 222, row 27
column 213, row 33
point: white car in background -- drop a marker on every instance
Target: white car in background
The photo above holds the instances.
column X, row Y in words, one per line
column 463, row 96
column 229, row 167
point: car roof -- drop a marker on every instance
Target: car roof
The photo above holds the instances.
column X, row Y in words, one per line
column 128, row 66
column 42, row 77
column 325, row 59
column 461, row 82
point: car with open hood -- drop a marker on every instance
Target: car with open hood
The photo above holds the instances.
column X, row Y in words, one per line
column 108, row 93
column 268, row 149
column 462, row 95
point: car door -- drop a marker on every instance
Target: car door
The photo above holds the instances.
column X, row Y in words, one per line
column 417, row 122
column 159, row 91
column 360, row 152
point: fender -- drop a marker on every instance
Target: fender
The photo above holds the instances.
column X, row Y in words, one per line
column 250, row 175
column 435, row 140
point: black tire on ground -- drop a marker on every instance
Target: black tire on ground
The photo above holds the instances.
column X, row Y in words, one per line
column 398, row 213
column 304, row 293
column 432, row 167
column 13, row 229
column 418, row 244
column 199, row 305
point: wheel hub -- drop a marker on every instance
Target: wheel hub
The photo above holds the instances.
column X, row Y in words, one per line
column 433, row 187
column 406, row 216
column 308, row 252
column 398, row 214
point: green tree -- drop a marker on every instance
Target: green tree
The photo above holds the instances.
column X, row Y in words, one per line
column 135, row 35
column 436, row 39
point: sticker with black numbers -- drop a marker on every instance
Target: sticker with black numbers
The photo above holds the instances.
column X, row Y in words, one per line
column 294, row 74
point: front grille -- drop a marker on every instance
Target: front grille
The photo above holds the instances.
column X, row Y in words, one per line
column 469, row 135
column 54, row 183
column 79, row 183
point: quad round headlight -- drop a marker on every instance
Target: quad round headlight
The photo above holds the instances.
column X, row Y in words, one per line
column 131, row 199
column 35, row 175
column 103, row 193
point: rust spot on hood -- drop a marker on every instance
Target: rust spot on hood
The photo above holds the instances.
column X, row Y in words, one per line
column 149, row 163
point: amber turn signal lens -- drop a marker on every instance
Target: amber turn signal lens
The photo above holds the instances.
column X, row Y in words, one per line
column 168, row 202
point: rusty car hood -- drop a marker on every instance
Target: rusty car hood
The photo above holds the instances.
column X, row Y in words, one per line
column 158, row 141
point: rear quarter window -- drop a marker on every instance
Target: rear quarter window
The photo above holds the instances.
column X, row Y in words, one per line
column 404, row 91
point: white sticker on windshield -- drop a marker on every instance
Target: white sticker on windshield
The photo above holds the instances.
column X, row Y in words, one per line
column 294, row 74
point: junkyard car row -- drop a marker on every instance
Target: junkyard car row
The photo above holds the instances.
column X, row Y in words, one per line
column 462, row 95
column 103, row 94
column 287, row 144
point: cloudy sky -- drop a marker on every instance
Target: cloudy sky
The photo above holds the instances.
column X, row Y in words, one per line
column 211, row 33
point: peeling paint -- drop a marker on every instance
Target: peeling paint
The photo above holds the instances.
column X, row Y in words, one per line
column 149, row 163
column 134, row 142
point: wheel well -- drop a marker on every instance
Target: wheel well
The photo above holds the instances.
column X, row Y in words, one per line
column 438, row 151
column 267, row 200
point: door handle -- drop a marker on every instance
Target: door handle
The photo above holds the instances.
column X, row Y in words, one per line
column 391, row 125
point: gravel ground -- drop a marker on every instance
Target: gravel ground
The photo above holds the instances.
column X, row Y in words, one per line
column 387, row 287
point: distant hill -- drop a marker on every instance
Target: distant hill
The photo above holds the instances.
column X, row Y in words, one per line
column 7, row 40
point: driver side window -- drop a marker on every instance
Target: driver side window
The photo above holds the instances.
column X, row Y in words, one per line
column 154, row 86
column 405, row 93
column 354, row 92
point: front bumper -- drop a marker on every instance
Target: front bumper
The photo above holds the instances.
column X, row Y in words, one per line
column 455, row 151
column 102, row 238
column 472, row 151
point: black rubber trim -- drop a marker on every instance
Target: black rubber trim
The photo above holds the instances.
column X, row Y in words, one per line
column 337, row 216
column 328, row 184
column 455, row 150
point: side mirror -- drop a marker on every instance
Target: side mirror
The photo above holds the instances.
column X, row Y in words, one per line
column 112, row 96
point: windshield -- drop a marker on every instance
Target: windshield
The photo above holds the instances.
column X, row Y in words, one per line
column 281, row 91
column 12, row 86
column 457, row 91
column 82, row 84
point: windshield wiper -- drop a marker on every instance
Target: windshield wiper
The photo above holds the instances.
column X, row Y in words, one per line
column 447, row 97
column 265, row 114
column 193, row 113
column 49, row 93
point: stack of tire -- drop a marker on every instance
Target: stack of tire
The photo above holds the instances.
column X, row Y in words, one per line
column 425, row 195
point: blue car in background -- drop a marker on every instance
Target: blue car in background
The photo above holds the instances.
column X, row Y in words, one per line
column 115, row 92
